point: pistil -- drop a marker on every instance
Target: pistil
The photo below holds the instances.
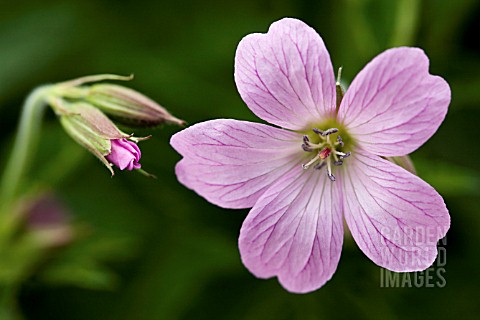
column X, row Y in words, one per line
column 327, row 150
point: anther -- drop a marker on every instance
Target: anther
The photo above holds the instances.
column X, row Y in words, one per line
column 340, row 141
column 319, row 166
column 325, row 154
column 329, row 172
column 306, row 148
column 344, row 155
column 329, row 131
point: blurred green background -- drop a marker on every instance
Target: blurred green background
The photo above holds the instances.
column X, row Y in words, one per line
column 151, row 249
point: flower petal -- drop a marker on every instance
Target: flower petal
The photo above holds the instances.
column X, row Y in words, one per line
column 394, row 105
column 125, row 154
column 286, row 76
column 295, row 231
column 395, row 217
column 231, row 163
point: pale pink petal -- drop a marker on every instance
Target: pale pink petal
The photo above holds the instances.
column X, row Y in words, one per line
column 295, row 231
column 395, row 217
column 231, row 163
column 286, row 76
column 394, row 105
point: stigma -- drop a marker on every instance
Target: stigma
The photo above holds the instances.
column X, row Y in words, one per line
column 327, row 151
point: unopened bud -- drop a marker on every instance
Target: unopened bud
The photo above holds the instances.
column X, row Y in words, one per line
column 85, row 107
column 93, row 130
column 129, row 106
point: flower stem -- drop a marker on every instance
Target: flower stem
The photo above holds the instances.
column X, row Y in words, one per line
column 24, row 144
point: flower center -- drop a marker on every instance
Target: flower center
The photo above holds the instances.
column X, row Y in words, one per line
column 328, row 150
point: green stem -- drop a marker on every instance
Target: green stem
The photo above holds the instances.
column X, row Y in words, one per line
column 24, row 144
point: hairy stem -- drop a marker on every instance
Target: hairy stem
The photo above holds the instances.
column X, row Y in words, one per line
column 24, row 144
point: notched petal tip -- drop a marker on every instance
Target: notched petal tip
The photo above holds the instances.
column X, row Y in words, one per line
column 295, row 232
column 264, row 76
column 395, row 113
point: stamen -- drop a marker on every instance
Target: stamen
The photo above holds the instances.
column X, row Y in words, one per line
column 309, row 147
column 305, row 166
column 331, row 176
column 306, row 148
column 329, row 131
column 343, row 155
column 339, row 141
column 329, row 172
column 320, row 165
column 326, row 155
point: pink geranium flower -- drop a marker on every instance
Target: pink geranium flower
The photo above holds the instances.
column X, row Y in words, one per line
column 326, row 163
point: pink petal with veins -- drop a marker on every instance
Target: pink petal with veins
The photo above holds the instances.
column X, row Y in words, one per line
column 231, row 163
column 286, row 76
column 295, row 231
column 395, row 217
column 394, row 105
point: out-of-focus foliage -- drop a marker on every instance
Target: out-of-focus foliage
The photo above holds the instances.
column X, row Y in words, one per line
column 151, row 249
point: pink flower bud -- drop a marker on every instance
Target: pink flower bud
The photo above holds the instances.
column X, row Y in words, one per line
column 124, row 154
column 129, row 106
column 49, row 221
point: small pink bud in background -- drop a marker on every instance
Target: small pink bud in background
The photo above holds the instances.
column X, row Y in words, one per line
column 49, row 220
column 124, row 154
column 47, row 211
